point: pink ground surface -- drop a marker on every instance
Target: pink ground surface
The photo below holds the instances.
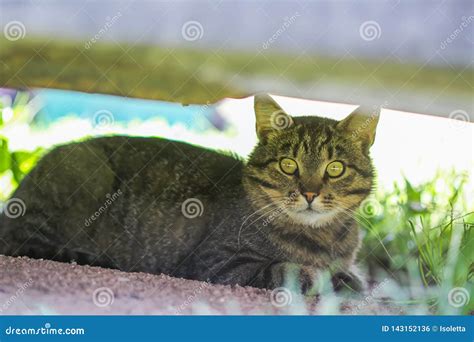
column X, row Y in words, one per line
column 29, row 286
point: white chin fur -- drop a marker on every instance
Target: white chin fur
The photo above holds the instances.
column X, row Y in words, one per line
column 311, row 218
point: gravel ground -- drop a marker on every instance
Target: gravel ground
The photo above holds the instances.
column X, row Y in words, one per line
column 29, row 286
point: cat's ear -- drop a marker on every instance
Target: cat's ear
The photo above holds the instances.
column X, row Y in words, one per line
column 361, row 125
column 270, row 116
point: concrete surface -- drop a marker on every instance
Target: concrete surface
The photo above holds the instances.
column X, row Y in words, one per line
column 29, row 286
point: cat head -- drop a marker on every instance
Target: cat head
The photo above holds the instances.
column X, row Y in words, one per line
column 312, row 170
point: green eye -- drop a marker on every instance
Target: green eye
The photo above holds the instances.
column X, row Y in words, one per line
column 335, row 169
column 288, row 166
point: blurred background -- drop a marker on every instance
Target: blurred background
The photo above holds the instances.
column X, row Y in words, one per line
column 187, row 70
column 415, row 55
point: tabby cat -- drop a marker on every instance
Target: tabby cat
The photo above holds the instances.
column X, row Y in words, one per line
column 161, row 206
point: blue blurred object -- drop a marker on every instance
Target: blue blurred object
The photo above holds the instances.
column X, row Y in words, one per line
column 63, row 103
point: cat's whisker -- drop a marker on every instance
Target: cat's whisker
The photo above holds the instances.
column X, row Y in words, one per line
column 271, row 193
column 268, row 213
column 278, row 207
column 360, row 218
column 259, row 210
column 363, row 221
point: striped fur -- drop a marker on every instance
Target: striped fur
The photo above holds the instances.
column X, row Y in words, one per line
column 328, row 232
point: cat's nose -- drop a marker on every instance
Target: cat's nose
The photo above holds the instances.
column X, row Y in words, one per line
column 310, row 196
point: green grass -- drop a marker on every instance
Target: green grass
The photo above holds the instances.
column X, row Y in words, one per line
column 422, row 235
column 14, row 165
column 419, row 236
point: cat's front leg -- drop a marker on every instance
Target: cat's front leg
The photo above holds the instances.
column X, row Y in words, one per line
column 298, row 278
column 306, row 279
column 349, row 281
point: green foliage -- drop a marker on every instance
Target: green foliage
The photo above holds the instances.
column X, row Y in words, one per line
column 22, row 162
column 14, row 165
column 418, row 235
column 5, row 160
column 430, row 223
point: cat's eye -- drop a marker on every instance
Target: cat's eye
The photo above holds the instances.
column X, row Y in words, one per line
column 335, row 169
column 288, row 166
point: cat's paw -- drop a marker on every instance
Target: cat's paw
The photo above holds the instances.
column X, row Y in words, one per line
column 348, row 282
column 294, row 277
column 307, row 281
